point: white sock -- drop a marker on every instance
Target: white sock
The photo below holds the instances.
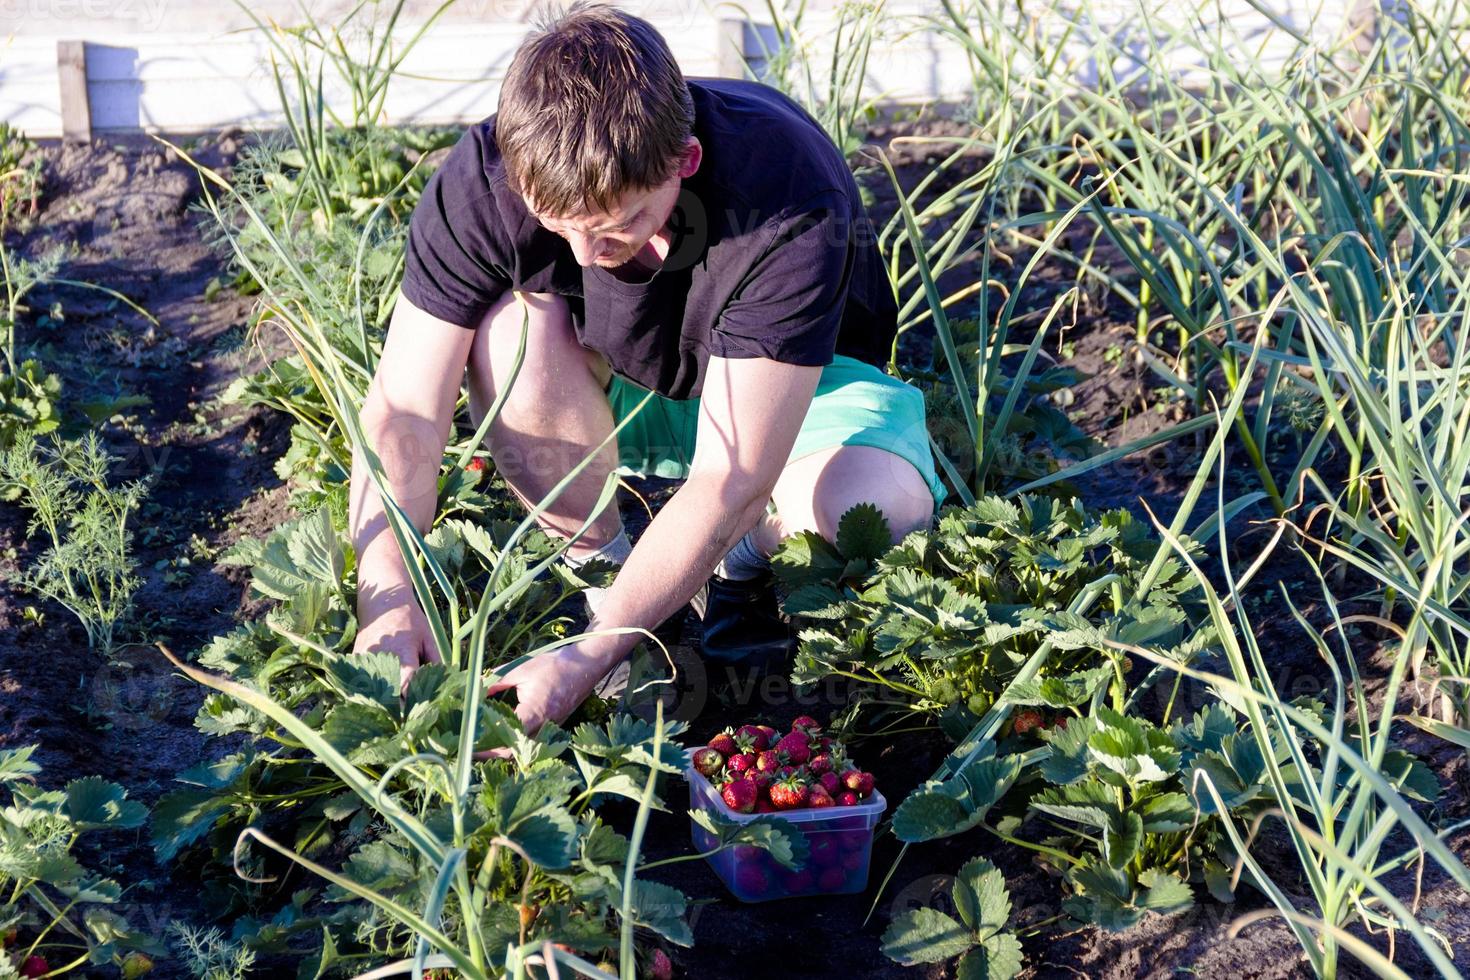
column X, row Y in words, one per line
column 744, row 562
column 616, row 551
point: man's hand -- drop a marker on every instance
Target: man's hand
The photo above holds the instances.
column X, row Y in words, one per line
column 402, row 630
column 550, row 686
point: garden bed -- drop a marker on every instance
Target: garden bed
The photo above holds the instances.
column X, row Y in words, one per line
column 127, row 208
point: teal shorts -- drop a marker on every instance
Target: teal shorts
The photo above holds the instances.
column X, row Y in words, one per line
column 856, row 404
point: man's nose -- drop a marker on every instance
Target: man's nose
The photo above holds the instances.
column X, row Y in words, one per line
column 586, row 248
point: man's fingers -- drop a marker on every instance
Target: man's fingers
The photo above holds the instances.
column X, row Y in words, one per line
column 494, row 754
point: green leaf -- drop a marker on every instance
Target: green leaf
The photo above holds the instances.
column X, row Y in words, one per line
column 980, row 896
column 1068, row 760
column 316, row 550
column 662, row 908
column 93, row 802
column 929, row 815
column 925, row 935
column 806, row 558
column 777, row 837
column 549, row 837
column 863, row 532
column 996, row 958
column 1165, row 893
column 1122, row 838
column 1410, row 776
column 16, row 763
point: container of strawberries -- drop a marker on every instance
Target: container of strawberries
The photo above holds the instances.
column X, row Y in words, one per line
column 802, row 777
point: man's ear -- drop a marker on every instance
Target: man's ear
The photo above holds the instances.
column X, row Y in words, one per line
column 693, row 155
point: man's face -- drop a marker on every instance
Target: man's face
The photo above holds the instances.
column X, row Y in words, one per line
column 613, row 238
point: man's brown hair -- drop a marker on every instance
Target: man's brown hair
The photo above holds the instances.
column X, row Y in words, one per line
column 593, row 106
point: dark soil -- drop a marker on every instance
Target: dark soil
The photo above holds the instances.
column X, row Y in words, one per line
column 125, row 211
column 122, row 212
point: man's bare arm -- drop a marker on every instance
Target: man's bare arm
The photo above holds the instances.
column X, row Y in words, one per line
column 406, row 417
column 729, row 485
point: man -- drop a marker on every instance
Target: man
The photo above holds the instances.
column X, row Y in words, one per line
column 702, row 239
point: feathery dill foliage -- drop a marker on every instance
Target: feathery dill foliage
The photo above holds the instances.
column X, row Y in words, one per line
column 85, row 565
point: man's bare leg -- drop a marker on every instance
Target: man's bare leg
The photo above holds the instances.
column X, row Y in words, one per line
column 816, row 490
column 555, row 414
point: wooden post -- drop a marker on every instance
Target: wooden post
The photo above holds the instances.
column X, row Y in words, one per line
column 76, row 111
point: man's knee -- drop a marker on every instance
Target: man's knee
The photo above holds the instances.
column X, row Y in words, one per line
column 544, row 322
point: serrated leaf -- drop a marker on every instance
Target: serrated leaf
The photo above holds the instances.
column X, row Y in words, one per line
column 996, row 958
column 549, row 837
column 806, row 558
column 1122, row 838
column 981, row 898
column 1164, row 893
column 925, row 935
column 1068, row 760
column 16, row 763
column 863, row 533
column 93, row 802
column 929, row 814
column 662, row 908
column 315, row 549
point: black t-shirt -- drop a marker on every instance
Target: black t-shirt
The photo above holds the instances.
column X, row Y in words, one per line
column 772, row 254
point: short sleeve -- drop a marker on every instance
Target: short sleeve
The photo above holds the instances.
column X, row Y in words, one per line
column 455, row 264
column 790, row 305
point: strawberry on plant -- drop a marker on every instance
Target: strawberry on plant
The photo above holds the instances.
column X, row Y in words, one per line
column 724, row 743
column 1026, row 721
column 660, row 967
column 476, row 467
column 708, row 762
column 739, row 795
column 789, row 793
column 35, row 966
column 741, row 762
column 806, row 723
column 795, row 748
column 847, row 798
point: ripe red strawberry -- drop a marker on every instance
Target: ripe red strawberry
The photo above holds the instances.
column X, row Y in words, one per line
column 764, row 805
column 818, row 797
column 820, row 763
column 8, row 939
column 660, row 967
column 806, row 723
column 789, row 794
column 797, row 882
column 1026, row 721
column 750, row 879
column 785, row 771
column 772, row 736
column 476, row 465
column 847, row 798
column 858, row 781
column 739, row 795
column 1060, row 722
column 831, row 879
column 824, row 743
column 830, row 782
column 768, row 761
column 724, row 743
column 708, row 763
column 795, row 748
column 35, row 966
column 824, row 850
column 741, row 763
column 757, row 739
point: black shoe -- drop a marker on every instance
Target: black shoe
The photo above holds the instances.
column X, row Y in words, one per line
column 741, row 623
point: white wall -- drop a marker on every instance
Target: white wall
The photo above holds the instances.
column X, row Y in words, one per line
column 187, row 65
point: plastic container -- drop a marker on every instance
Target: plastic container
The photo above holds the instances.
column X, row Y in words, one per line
column 840, row 839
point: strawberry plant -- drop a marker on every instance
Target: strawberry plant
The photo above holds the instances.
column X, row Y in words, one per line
column 986, row 949
column 943, row 621
column 56, row 912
